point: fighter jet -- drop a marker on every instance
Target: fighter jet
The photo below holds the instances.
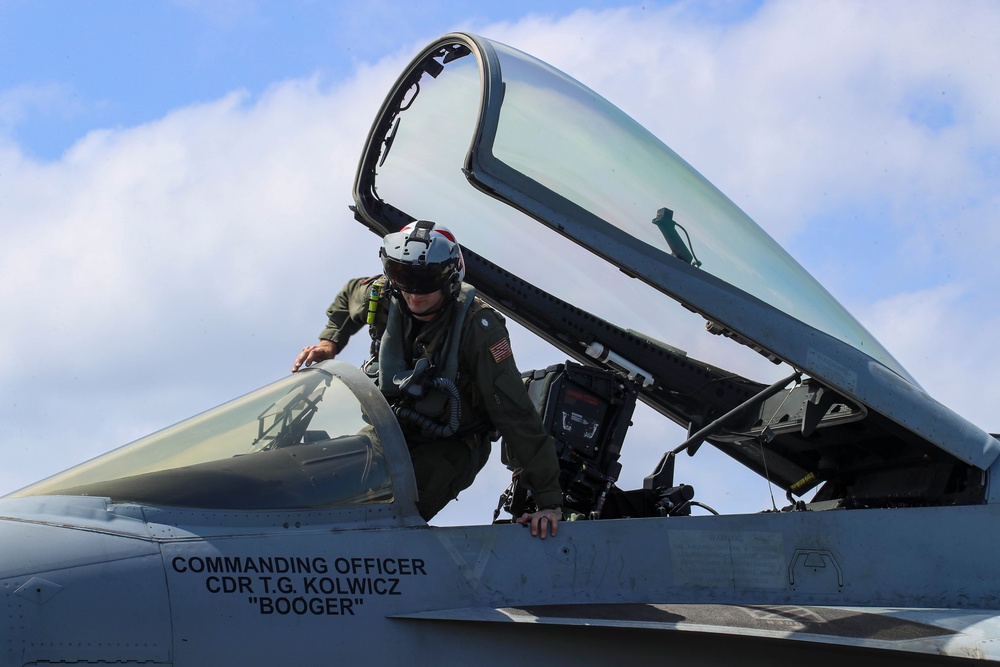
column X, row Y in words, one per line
column 281, row 529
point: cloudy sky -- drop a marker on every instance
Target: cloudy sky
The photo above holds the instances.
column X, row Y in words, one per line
column 174, row 183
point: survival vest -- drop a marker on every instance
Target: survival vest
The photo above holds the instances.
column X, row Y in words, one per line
column 393, row 359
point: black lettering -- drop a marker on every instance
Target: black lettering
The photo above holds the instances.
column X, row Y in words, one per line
column 229, row 584
column 392, row 589
column 300, row 605
column 404, row 566
column 418, row 566
column 285, row 585
column 276, row 564
column 310, row 584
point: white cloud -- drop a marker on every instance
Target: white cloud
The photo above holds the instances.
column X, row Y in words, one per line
column 204, row 205
column 192, row 252
column 948, row 342
column 19, row 103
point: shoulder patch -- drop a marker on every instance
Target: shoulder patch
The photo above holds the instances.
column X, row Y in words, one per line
column 501, row 349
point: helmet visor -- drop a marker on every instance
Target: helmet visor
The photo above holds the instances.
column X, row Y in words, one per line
column 417, row 278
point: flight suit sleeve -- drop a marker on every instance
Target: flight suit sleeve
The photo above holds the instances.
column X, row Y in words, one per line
column 527, row 446
column 348, row 313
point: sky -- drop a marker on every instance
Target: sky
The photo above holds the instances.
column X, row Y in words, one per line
column 175, row 177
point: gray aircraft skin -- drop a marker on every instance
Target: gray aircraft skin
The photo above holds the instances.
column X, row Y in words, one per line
column 281, row 529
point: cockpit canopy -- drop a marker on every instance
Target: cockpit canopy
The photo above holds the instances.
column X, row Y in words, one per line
column 315, row 439
column 537, row 174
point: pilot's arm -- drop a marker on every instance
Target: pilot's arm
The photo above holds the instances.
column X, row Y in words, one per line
column 527, row 445
column 345, row 317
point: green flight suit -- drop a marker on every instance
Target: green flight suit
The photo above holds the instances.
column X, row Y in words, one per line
column 492, row 397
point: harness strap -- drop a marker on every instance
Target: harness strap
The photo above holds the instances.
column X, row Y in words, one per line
column 392, row 356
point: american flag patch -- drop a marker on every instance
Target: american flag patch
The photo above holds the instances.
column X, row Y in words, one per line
column 500, row 350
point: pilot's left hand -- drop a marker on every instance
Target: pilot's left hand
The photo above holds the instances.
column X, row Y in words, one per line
column 543, row 521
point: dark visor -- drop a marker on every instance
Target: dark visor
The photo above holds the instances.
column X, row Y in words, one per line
column 417, row 278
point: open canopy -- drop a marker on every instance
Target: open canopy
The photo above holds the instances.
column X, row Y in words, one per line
column 492, row 142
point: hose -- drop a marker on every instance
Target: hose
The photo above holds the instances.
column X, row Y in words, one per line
column 427, row 424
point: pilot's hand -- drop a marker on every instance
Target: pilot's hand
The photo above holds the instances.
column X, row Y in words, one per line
column 543, row 521
column 312, row 354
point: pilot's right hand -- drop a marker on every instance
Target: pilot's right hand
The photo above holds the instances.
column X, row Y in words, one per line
column 550, row 516
column 311, row 354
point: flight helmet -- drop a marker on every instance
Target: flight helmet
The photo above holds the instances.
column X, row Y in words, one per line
column 423, row 257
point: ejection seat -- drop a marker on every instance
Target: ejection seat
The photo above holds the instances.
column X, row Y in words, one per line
column 588, row 411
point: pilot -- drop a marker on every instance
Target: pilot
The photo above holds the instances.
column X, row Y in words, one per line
column 443, row 360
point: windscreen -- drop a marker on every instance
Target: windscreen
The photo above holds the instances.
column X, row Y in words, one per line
column 301, row 442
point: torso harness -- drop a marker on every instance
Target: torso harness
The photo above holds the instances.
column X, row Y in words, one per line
column 425, row 395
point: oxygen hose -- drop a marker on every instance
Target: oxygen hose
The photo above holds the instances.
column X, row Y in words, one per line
column 427, row 424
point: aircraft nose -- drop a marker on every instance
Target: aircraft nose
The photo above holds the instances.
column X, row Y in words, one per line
column 59, row 581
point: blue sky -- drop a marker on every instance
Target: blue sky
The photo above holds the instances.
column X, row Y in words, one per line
column 120, row 63
column 174, row 182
